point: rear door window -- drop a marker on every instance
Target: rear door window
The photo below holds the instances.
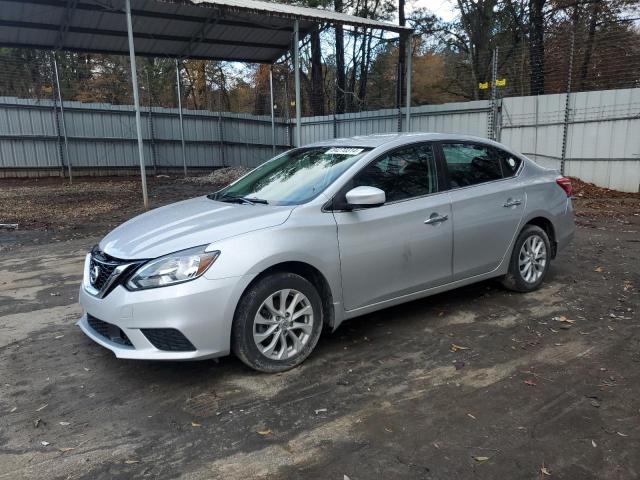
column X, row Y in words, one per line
column 470, row 164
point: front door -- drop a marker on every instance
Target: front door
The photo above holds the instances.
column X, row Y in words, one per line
column 403, row 246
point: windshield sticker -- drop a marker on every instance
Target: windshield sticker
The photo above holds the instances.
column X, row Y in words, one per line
column 344, row 151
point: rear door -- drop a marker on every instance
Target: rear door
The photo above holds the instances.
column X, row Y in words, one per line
column 403, row 246
column 487, row 204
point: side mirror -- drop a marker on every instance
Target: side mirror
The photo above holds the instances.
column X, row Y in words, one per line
column 365, row 197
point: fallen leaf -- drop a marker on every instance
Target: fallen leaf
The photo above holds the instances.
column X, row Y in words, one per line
column 64, row 424
column 480, row 459
column 562, row 318
column 531, row 383
column 66, row 449
column 593, row 443
column 471, row 416
column 195, row 424
column 598, row 269
column 455, row 348
column 545, row 471
column 264, row 432
column 345, row 477
column 44, row 443
column 36, row 422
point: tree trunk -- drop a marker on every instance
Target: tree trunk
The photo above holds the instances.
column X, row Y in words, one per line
column 401, row 88
column 590, row 40
column 536, row 46
column 317, row 83
column 341, row 81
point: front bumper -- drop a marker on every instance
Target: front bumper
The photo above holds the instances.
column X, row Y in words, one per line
column 202, row 310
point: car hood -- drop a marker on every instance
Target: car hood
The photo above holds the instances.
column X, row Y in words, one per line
column 187, row 224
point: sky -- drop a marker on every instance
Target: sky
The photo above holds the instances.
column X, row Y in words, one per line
column 445, row 9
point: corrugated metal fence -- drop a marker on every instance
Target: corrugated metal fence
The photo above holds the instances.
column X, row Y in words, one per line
column 103, row 136
column 601, row 129
column 602, row 134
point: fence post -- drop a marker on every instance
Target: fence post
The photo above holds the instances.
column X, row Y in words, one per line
column 56, row 123
column 296, row 63
column 220, row 129
column 494, row 91
column 567, row 102
column 273, row 116
column 408, row 75
column 179, row 88
column 152, row 135
column 64, row 125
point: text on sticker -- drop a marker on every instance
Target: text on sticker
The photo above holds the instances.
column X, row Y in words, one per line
column 344, row 151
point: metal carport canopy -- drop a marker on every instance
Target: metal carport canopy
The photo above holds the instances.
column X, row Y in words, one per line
column 231, row 30
column 228, row 30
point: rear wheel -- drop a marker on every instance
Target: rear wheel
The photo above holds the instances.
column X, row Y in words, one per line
column 277, row 323
column 529, row 260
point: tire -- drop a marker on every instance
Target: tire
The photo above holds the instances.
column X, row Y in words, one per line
column 260, row 320
column 528, row 279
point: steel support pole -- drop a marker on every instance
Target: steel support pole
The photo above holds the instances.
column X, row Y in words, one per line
column 64, row 124
column 296, row 63
column 494, row 95
column 408, row 74
column 567, row 102
column 273, row 115
column 136, row 102
column 179, row 90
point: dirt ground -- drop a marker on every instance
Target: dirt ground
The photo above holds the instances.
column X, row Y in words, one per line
column 546, row 386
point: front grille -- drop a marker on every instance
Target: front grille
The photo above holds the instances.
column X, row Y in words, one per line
column 106, row 265
column 168, row 339
column 108, row 331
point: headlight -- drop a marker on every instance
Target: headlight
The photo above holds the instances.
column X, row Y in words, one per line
column 171, row 269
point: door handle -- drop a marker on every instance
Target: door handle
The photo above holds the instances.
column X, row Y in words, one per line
column 435, row 218
column 512, row 203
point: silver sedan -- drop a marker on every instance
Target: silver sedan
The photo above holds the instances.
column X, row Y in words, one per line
column 316, row 236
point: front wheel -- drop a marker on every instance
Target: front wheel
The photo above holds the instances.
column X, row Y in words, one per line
column 529, row 260
column 277, row 323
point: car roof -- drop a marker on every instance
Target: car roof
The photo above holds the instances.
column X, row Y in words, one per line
column 379, row 139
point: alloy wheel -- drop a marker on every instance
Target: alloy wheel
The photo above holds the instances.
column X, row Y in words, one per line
column 283, row 324
column 532, row 259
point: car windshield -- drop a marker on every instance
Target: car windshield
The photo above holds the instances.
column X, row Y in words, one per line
column 292, row 178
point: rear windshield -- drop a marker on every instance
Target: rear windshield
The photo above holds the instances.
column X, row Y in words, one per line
column 294, row 177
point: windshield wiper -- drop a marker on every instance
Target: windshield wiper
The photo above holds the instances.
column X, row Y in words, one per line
column 238, row 199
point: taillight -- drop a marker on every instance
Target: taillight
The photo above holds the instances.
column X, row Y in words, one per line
column 565, row 184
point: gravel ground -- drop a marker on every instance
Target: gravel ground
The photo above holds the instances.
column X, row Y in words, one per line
column 546, row 386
